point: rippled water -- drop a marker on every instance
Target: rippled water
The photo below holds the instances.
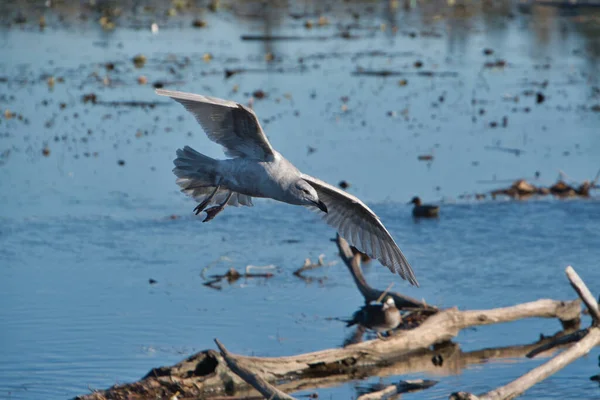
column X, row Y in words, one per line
column 80, row 235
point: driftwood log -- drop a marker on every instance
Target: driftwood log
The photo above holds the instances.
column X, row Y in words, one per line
column 589, row 339
column 426, row 348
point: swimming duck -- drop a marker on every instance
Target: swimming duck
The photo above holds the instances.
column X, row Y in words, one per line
column 424, row 210
column 379, row 317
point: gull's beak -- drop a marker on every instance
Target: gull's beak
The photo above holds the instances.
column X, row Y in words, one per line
column 321, row 206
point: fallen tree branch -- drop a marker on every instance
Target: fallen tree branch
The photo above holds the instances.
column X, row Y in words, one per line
column 591, row 338
column 207, row 375
column 267, row 390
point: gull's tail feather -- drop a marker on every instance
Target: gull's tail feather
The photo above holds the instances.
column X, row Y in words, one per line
column 191, row 165
column 197, row 175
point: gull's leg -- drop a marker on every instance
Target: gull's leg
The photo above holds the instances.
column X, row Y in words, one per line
column 200, row 207
column 213, row 211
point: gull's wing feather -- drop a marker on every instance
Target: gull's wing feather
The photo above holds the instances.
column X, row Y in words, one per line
column 360, row 226
column 228, row 123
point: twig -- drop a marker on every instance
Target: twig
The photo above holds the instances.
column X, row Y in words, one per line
column 385, row 292
column 308, row 265
column 266, row 389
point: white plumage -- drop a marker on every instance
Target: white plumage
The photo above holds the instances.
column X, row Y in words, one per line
column 257, row 170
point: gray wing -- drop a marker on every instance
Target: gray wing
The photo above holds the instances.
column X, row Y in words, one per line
column 356, row 223
column 228, row 123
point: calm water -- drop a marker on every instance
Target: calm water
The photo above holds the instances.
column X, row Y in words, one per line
column 80, row 235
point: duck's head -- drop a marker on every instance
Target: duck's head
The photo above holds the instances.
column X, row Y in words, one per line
column 388, row 302
column 415, row 200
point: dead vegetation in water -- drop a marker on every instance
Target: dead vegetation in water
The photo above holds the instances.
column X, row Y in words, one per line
column 522, row 189
column 426, row 347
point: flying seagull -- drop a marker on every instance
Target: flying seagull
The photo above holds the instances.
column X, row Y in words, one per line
column 255, row 169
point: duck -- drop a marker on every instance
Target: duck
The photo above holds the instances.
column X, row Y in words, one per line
column 424, row 210
column 379, row 317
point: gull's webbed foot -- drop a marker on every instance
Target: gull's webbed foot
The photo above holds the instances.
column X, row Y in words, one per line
column 200, row 207
column 212, row 212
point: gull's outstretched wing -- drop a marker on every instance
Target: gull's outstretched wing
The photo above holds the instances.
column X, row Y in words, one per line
column 356, row 223
column 228, row 123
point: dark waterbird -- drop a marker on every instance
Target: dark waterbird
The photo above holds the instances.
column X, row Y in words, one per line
column 379, row 317
column 424, row 210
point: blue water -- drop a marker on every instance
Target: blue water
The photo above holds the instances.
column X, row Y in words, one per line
column 80, row 235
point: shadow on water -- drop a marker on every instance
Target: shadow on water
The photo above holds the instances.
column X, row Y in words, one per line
column 90, row 212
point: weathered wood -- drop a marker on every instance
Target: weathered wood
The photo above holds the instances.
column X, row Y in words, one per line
column 352, row 261
column 585, row 294
column 536, row 375
column 267, row 390
column 398, row 388
column 207, row 373
column 590, row 339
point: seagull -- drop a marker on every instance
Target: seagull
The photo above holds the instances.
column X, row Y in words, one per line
column 255, row 169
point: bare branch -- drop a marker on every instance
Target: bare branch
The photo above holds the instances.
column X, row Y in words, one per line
column 547, row 369
column 589, row 338
column 267, row 390
column 585, row 294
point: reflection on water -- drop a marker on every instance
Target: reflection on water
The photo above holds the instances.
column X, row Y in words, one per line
column 87, row 190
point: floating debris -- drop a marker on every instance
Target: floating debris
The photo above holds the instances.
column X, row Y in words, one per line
column 152, row 281
column 425, row 157
column 385, row 73
column 495, row 64
column 344, row 185
column 139, row 61
column 198, row 23
column 259, row 94
column 121, row 163
column 521, row 189
column 539, row 98
column 142, row 80
column 46, row 151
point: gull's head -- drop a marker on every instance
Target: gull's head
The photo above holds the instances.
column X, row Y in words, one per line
column 306, row 195
column 388, row 302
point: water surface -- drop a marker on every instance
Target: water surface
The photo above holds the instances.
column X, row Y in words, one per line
column 81, row 235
